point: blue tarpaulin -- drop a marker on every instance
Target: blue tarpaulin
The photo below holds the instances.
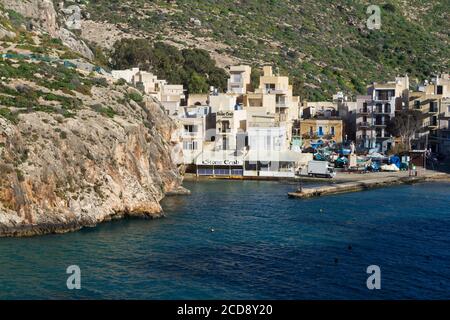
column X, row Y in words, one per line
column 395, row 160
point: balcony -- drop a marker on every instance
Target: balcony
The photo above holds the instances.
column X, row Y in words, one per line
column 364, row 125
column 262, row 125
column 188, row 134
column 281, row 117
column 364, row 111
column 434, row 108
column 275, row 91
column 380, row 123
column 445, row 114
column 380, row 109
column 431, row 125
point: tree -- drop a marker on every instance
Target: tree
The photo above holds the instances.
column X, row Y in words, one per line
column 254, row 77
column 132, row 53
column 194, row 68
column 405, row 125
column 197, row 84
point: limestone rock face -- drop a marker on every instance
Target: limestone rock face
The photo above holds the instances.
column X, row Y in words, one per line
column 70, row 40
column 6, row 33
column 60, row 174
column 44, row 16
column 40, row 11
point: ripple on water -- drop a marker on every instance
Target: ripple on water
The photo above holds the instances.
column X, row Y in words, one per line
column 264, row 246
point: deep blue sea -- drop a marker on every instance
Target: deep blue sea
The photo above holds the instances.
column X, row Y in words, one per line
column 264, row 246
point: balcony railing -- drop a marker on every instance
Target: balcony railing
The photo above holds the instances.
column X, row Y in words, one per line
column 274, row 91
column 431, row 124
column 445, row 114
column 382, row 110
column 364, row 124
column 281, row 117
column 364, row 111
column 263, row 125
column 191, row 134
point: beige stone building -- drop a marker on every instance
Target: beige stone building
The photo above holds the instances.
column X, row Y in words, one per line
column 272, row 102
column 432, row 98
column 321, row 131
column 239, row 81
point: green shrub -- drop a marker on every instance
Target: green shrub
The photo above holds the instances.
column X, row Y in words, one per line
column 105, row 111
column 136, row 97
column 8, row 115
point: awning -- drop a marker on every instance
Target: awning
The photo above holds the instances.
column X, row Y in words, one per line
column 275, row 156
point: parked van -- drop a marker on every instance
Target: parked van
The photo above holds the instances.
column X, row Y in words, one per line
column 320, row 169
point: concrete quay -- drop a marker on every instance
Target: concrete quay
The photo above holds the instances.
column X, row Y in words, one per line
column 366, row 184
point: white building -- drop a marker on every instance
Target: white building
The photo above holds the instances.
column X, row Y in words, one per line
column 269, row 154
column 172, row 97
column 126, row 75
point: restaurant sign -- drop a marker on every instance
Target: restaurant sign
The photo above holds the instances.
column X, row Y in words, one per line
column 225, row 162
column 225, row 114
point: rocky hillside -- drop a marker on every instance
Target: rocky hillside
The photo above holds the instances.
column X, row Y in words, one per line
column 76, row 148
column 324, row 45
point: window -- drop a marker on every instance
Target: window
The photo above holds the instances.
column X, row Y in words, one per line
column 236, row 77
column 190, row 128
column 225, row 126
column 417, row 104
column 379, row 133
column 270, row 86
column 379, row 120
column 190, row 145
column 379, row 107
column 320, row 131
column 434, row 121
column 332, row 131
column 385, row 94
column 433, row 106
column 439, row 90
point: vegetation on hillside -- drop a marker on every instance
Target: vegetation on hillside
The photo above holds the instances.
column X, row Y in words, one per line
column 193, row 68
column 324, row 45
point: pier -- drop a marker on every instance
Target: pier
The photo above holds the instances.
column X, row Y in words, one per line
column 366, row 184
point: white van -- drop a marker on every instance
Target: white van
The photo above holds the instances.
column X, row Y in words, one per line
column 320, row 169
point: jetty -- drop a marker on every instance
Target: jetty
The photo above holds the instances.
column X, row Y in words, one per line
column 366, row 184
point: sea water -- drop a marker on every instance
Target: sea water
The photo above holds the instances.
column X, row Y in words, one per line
column 248, row 240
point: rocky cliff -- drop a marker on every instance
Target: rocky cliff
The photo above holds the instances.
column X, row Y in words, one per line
column 76, row 147
column 62, row 173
